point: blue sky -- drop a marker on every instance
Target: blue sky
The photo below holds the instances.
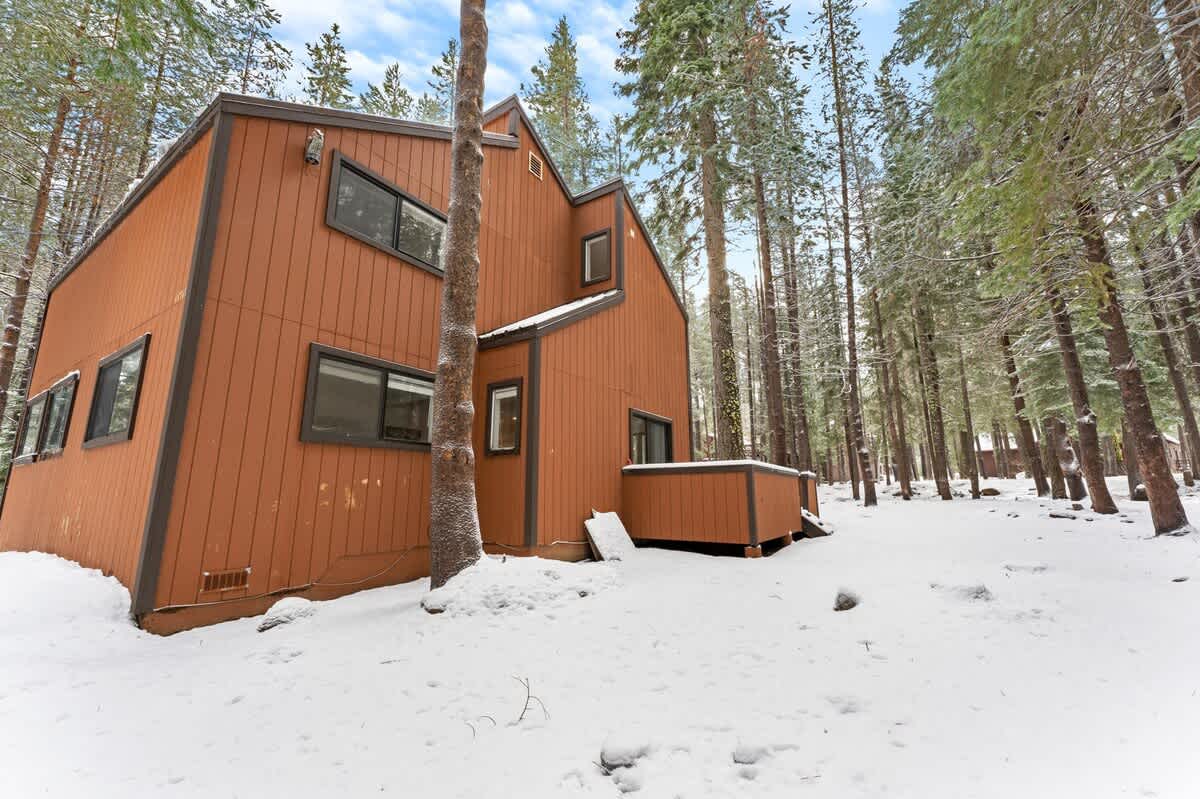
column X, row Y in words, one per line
column 414, row 33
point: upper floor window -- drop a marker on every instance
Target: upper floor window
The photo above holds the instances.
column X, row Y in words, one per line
column 44, row 431
column 596, row 261
column 504, row 418
column 356, row 399
column 114, row 403
column 373, row 210
column 649, row 438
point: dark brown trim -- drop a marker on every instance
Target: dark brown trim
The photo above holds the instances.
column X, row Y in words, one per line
column 141, row 343
column 534, row 434
column 567, row 319
column 518, row 384
column 651, row 417
column 187, row 346
column 583, row 245
column 73, row 381
column 243, row 105
column 315, row 352
column 341, row 160
column 607, row 187
column 21, row 460
column 164, row 165
column 752, row 507
column 619, row 254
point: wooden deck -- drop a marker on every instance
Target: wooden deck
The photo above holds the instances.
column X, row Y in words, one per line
column 745, row 503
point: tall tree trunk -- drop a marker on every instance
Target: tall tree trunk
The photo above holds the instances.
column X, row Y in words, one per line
column 728, row 410
column 856, row 418
column 1058, row 485
column 1166, row 509
column 1029, row 451
column 968, row 439
column 891, row 398
column 804, row 459
column 770, row 343
column 1091, row 463
column 152, row 112
column 1129, row 455
column 454, row 539
column 929, row 369
column 1068, row 460
column 1163, row 333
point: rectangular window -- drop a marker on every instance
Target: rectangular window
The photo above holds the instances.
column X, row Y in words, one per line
column 649, row 438
column 58, row 414
column 31, row 433
column 504, row 418
column 375, row 211
column 596, row 266
column 114, row 403
column 356, row 399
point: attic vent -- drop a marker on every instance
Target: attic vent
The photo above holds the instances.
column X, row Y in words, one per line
column 225, row 580
column 535, row 165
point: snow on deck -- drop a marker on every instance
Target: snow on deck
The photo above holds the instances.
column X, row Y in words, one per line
column 548, row 316
column 994, row 652
column 734, row 464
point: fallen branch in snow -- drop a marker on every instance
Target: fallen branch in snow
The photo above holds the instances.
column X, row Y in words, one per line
column 529, row 699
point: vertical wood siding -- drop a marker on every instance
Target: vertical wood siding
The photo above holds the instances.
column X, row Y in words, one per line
column 632, row 355
column 701, row 507
column 90, row 505
column 777, row 500
column 500, row 479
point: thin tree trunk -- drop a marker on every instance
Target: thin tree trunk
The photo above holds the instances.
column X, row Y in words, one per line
column 856, row 418
column 1166, row 509
column 770, row 343
column 1068, row 461
column 1029, row 451
column 1058, row 483
column 728, row 410
column 1129, row 455
column 969, row 458
column 152, row 112
column 454, row 539
column 1085, row 419
column 891, row 397
column 804, row 459
column 933, row 391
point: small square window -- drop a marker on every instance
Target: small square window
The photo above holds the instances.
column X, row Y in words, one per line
column 58, row 415
column 504, row 418
column 31, row 433
column 649, row 438
column 596, row 260
column 114, row 403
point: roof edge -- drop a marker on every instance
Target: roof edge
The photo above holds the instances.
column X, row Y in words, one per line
column 538, row 329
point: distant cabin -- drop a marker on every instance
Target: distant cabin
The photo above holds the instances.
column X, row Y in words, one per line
column 230, row 400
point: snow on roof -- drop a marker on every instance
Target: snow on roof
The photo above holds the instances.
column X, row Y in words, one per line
column 770, row 467
column 545, row 317
column 1170, row 439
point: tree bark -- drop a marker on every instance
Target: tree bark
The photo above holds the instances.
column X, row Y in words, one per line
column 968, row 440
column 770, row 344
column 856, row 419
column 804, row 459
column 728, row 410
column 1166, row 509
column 932, row 382
column 1029, row 451
column 1068, row 461
column 454, row 539
column 1058, row 485
column 1129, row 456
column 892, row 407
column 1091, row 463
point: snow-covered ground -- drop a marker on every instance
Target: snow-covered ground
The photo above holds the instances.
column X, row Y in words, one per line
column 994, row 652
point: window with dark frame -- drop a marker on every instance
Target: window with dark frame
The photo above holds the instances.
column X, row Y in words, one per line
column 597, row 266
column 114, row 403
column 31, row 431
column 649, row 438
column 356, row 399
column 377, row 212
column 58, row 415
column 504, row 418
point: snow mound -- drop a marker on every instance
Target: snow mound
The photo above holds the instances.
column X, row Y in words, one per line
column 286, row 611
column 967, row 593
column 506, row 585
column 749, row 754
column 41, row 590
column 623, row 752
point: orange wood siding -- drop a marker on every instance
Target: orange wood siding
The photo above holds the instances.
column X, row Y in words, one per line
column 777, row 504
column 248, row 492
column 500, row 479
column 702, row 507
column 592, row 217
column 90, row 505
column 632, row 355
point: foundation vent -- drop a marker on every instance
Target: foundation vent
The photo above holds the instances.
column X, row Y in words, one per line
column 225, row 580
column 535, row 165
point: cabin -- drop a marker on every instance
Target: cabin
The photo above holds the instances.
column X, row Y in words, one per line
column 230, row 401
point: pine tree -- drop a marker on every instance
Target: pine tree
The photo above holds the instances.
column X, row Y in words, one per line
column 442, row 84
column 390, row 98
column 327, row 74
column 258, row 63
